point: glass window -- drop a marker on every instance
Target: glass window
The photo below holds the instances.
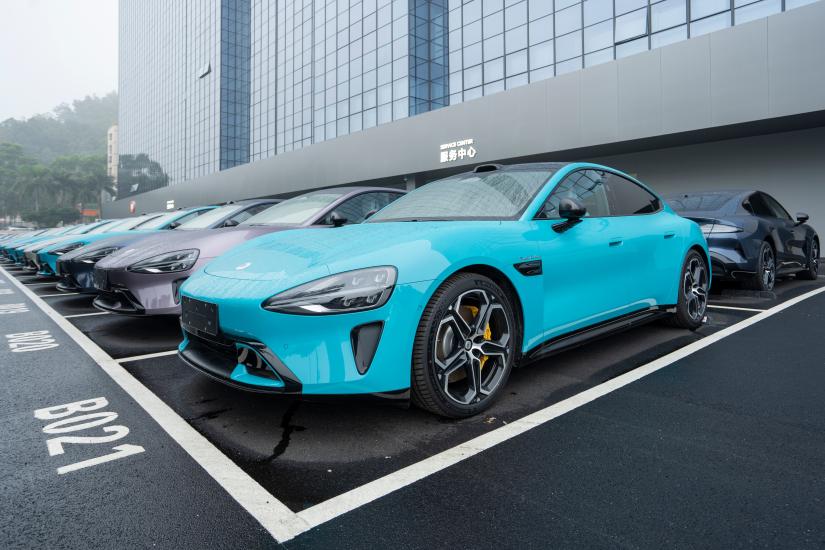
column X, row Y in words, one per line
column 494, row 70
column 569, row 66
column 541, row 55
column 515, row 39
column 516, row 81
column 757, row 10
column 472, row 11
column 497, row 195
column 540, row 8
column 628, row 198
column 356, row 209
column 517, row 63
column 494, row 47
column 587, row 187
column 758, row 206
column 777, row 209
column 710, row 24
column 569, row 46
column 494, row 24
column 631, row 48
column 597, row 58
column 598, row 36
column 703, row 8
column 669, row 13
column 668, row 37
column 791, row 4
column 515, row 15
column 494, row 87
column 159, row 222
column 297, row 210
column 699, row 202
column 541, row 30
column 207, row 219
column 597, row 10
column 568, row 20
column 542, row 74
column 472, row 77
column 631, row 25
column 492, row 5
column 624, row 6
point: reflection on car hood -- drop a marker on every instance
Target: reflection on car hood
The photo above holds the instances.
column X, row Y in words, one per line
column 295, row 256
column 210, row 243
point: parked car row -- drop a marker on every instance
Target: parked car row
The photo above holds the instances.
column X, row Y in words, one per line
column 432, row 296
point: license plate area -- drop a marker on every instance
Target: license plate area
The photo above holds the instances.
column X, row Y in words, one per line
column 199, row 317
column 101, row 279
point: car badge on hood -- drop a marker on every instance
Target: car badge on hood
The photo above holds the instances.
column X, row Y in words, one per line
column 243, row 266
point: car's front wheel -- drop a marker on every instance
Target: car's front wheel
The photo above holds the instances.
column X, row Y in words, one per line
column 465, row 347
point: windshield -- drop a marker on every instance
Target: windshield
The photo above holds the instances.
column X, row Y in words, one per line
column 79, row 229
column 160, row 221
column 207, row 219
column 105, row 226
column 297, row 210
column 129, row 223
column 702, row 202
column 486, row 196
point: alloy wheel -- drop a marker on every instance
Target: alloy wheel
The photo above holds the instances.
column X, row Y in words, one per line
column 768, row 268
column 471, row 350
column 695, row 289
column 814, row 257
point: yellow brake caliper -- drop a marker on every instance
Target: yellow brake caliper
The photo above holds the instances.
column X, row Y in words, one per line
column 488, row 334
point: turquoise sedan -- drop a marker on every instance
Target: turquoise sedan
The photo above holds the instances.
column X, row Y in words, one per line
column 442, row 292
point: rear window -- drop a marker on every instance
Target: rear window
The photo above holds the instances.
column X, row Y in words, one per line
column 700, row 202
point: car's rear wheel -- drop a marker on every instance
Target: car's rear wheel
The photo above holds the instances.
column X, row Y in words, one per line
column 765, row 277
column 692, row 301
column 465, row 347
column 812, row 271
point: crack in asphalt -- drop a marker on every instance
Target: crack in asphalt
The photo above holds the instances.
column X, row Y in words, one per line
column 288, row 428
column 209, row 415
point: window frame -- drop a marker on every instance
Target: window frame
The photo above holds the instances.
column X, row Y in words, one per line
column 629, row 179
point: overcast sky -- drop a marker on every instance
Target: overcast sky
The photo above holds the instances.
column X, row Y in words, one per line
column 55, row 51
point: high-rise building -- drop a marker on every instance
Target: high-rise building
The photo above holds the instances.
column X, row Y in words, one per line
column 223, row 99
column 111, row 157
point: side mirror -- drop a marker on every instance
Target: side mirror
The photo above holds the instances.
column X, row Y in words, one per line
column 571, row 210
column 801, row 217
column 230, row 223
column 336, row 220
column 174, row 225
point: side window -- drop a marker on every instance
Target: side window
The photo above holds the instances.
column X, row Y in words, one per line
column 244, row 215
column 778, row 210
column 355, row 210
column 628, row 198
column 756, row 205
column 586, row 187
column 188, row 217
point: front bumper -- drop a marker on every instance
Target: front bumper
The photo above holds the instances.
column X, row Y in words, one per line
column 127, row 293
column 317, row 352
column 75, row 276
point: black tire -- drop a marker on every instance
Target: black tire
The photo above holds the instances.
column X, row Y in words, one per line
column 765, row 278
column 812, row 270
column 692, row 301
column 451, row 376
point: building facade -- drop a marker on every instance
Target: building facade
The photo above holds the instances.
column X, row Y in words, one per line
column 111, row 157
column 226, row 99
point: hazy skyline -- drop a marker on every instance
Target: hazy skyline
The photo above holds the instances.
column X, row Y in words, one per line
column 55, row 51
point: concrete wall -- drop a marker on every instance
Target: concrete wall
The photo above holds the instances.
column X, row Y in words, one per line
column 768, row 69
column 789, row 165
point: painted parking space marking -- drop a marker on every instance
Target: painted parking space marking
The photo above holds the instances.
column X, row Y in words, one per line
column 147, row 356
column 10, row 309
column 63, row 419
column 36, row 284
column 56, row 295
column 274, row 516
column 736, row 308
column 6, row 291
column 94, row 313
column 24, row 342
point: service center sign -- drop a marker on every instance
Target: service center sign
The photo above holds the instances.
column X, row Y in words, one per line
column 458, row 150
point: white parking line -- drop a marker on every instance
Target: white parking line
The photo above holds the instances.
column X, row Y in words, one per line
column 284, row 524
column 56, row 295
column 36, row 284
column 281, row 522
column 736, row 308
column 147, row 356
column 86, row 314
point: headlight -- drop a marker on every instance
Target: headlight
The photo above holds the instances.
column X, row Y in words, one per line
column 96, row 255
column 170, row 262
column 357, row 290
column 708, row 228
column 68, row 248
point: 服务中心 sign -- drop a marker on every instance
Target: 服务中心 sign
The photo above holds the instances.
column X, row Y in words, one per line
column 458, row 150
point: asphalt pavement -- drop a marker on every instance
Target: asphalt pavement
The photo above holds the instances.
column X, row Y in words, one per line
column 688, row 455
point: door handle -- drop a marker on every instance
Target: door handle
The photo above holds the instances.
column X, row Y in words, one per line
column 616, row 242
column 670, row 234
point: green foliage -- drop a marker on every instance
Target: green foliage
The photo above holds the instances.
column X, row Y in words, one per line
column 53, row 216
column 76, row 129
column 50, row 164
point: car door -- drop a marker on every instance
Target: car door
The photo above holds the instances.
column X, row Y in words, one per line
column 646, row 237
column 792, row 234
column 578, row 263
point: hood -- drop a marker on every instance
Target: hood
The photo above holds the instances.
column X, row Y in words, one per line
column 97, row 237
column 293, row 257
column 209, row 243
